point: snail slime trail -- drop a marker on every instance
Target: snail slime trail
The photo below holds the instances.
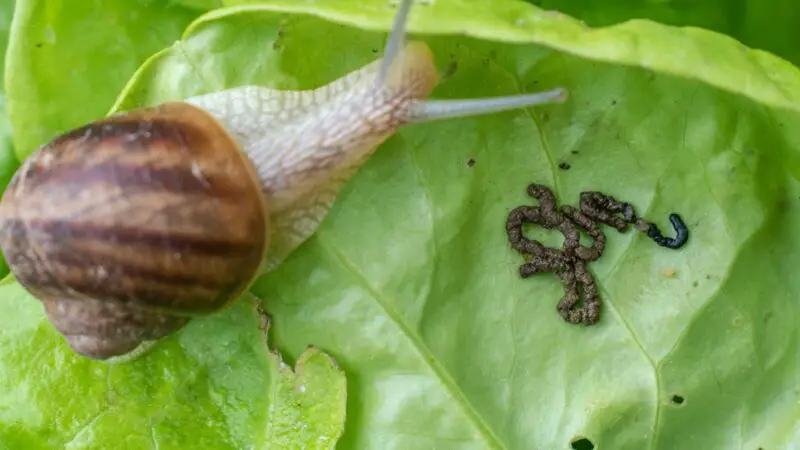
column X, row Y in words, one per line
column 129, row 226
column 570, row 262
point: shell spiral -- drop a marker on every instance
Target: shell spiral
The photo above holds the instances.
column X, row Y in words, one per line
column 127, row 227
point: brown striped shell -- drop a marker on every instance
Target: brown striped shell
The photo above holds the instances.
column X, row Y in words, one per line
column 127, row 227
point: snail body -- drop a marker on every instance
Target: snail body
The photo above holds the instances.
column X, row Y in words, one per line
column 127, row 227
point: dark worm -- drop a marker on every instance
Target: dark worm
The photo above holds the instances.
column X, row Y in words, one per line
column 570, row 262
column 681, row 233
column 602, row 208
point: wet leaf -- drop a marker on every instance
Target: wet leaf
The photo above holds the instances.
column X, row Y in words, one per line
column 769, row 25
column 216, row 385
column 410, row 284
column 67, row 60
column 8, row 162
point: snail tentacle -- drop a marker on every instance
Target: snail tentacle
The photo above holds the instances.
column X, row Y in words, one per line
column 395, row 43
column 430, row 110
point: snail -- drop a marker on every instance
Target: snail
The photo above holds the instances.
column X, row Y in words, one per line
column 128, row 227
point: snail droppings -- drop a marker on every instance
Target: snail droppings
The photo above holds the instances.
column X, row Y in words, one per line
column 570, row 262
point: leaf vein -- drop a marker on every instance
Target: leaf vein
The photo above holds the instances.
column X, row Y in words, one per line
column 427, row 356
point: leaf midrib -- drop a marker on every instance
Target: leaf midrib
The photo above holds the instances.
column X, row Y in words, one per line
column 385, row 302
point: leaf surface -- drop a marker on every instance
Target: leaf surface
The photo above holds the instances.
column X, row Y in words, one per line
column 8, row 161
column 67, row 60
column 410, row 284
column 215, row 385
column 764, row 24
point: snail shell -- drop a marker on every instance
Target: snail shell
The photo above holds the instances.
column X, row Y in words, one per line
column 127, row 227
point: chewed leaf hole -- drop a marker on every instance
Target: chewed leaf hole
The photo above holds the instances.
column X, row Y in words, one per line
column 677, row 399
column 581, row 443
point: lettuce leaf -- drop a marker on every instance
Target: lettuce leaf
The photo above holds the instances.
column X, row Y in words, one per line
column 216, row 385
column 410, row 284
column 8, row 161
column 68, row 60
column 765, row 24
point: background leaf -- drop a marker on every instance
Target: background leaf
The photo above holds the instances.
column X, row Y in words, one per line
column 443, row 344
column 67, row 60
column 8, row 161
column 764, row 24
column 204, row 5
column 712, row 58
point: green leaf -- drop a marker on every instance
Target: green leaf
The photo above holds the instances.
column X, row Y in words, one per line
column 309, row 403
column 8, row 162
column 213, row 386
column 6, row 11
column 8, row 165
column 410, row 284
column 204, row 5
column 765, row 24
column 67, row 60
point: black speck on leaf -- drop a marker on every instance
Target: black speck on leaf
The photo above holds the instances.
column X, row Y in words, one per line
column 677, row 399
column 581, row 443
column 564, row 166
column 450, row 70
column 471, row 163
